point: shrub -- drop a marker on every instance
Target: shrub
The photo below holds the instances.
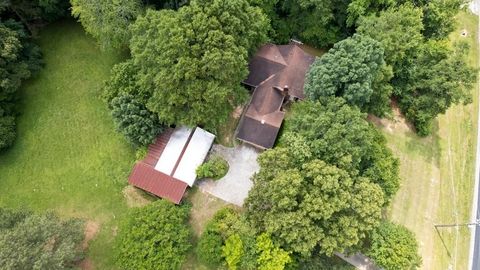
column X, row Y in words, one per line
column 154, row 237
column 209, row 248
column 216, row 167
column 394, row 247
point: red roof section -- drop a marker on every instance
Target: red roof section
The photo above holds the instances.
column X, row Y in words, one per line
column 145, row 176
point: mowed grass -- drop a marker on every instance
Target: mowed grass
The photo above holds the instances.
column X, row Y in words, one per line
column 68, row 157
column 438, row 174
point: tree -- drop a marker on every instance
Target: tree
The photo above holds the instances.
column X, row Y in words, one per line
column 394, row 247
column 193, row 60
column 139, row 125
column 108, row 20
column 154, row 237
column 19, row 59
column 233, row 251
column 229, row 239
column 7, row 131
column 355, row 70
column 271, row 257
column 38, row 241
column 399, row 30
column 439, row 16
column 34, row 13
column 438, row 78
column 311, row 205
column 340, row 135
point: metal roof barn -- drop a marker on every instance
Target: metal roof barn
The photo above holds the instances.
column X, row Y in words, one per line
column 171, row 162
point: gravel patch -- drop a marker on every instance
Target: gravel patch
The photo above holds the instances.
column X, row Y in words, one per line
column 234, row 186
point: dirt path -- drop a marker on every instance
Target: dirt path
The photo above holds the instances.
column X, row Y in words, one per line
column 91, row 229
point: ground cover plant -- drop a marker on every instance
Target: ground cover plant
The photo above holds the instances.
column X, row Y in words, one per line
column 68, row 158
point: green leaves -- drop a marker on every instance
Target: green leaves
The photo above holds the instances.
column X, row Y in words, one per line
column 193, row 60
column 394, row 247
column 38, row 241
column 107, row 20
column 355, row 70
column 154, row 237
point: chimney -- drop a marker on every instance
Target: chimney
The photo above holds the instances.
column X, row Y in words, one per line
column 285, row 90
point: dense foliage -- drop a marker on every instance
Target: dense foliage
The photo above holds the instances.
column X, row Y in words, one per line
column 19, row 59
column 215, row 168
column 394, row 247
column 126, row 101
column 193, row 60
column 355, row 70
column 38, row 241
column 107, row 20
column 139, row 125
column 154, row 237
column 229, row 240
column 429, row 75
column 322, row 189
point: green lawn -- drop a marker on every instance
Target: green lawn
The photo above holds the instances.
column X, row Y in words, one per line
column 68, row 157
column 437, row 175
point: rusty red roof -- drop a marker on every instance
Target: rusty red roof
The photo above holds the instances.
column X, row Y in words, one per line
column 171, row 183
column 147, row 178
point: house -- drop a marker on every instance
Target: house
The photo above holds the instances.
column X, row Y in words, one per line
column 170, row 165
column 277, row 75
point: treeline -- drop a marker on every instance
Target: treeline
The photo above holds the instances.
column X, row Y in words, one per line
column 20, row 58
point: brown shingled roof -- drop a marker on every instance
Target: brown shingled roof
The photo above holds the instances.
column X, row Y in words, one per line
column 271, row 69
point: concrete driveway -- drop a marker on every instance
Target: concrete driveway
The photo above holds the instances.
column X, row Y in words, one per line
column 234, row 186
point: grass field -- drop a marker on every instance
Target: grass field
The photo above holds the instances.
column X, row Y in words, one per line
column 437, row 174
column 68, row 157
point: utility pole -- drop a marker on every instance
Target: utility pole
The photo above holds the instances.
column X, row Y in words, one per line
column 476, row 223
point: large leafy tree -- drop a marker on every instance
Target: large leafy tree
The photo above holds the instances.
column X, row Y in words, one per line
column 309, row 205
column 429, row 75
column 38, row 241
column 394, row 247
column 107, row 20
column 340, row 135
column 229, row 240
column 355, row 70
column 194, row 59
column 154, row 237
column 19, row 59
column 438, row 78
column 126, row 101
column 34, row 13
column 137, row 123
column 399, row 30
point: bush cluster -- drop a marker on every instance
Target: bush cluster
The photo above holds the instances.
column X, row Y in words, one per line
column 215, row 168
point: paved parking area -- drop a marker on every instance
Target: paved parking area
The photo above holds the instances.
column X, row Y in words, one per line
column 234, row 186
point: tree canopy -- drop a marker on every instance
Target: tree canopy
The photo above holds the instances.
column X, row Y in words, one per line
column 430, row 75
column 311, row 205
column 107, row 20
column 355, row 70
column 193, row 60
column 38, row 241
column 229, row 240
column 154, row 237
column 19, row 60
column 394, row 247
column 340, row 135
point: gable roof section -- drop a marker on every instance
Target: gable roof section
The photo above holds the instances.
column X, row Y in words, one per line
column 271, row 69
